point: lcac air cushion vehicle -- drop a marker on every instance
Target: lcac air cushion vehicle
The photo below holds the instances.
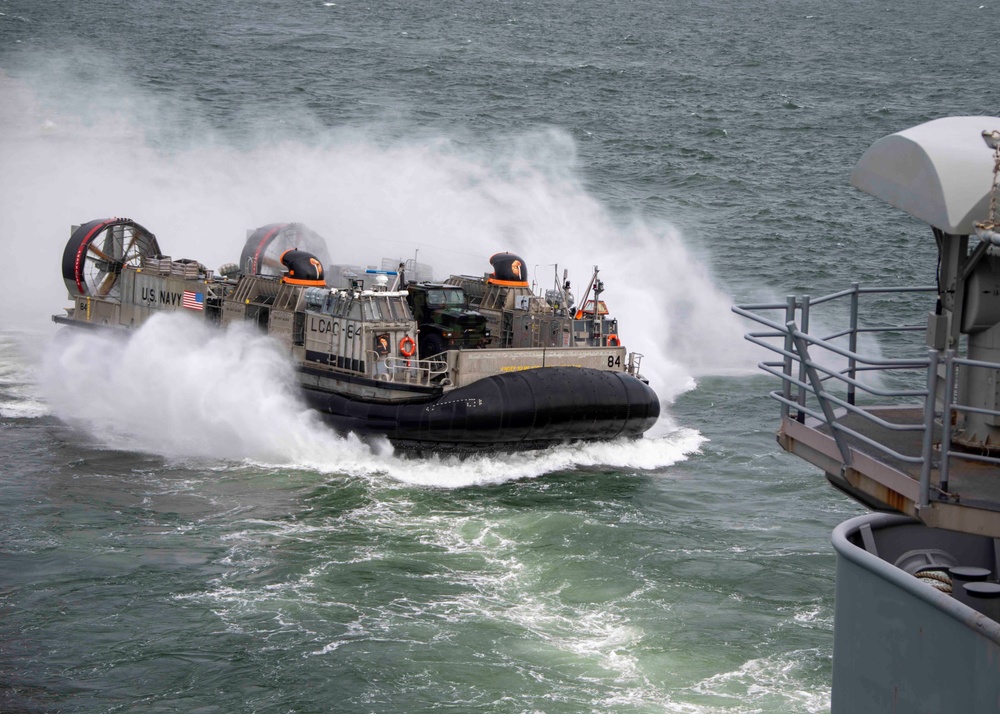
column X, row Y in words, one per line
column 358, row 352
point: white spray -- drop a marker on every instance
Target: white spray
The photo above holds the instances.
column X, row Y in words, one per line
column 181, row 389
column 370, row 198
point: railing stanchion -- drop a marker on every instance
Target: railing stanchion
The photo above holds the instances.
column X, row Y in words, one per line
column 927, row 447
column 802, row 364
column 852, row 363
column 801, row 346
column 786, row 385
column 947, row 403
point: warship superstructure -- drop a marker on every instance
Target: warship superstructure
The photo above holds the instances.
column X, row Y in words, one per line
column 363, row 359
column 905, row 418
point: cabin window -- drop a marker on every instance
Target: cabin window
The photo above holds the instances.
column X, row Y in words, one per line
column 339, row 307
column 399, row 309
column 354, row 310
column 371, row 310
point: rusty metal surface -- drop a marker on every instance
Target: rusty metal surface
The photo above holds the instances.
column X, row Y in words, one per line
column 971, row 504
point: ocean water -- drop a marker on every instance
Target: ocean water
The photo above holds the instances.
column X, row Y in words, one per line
column 178, row 534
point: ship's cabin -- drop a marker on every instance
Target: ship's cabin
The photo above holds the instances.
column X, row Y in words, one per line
column 361, row 331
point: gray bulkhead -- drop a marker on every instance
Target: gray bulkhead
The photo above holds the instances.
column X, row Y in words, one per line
column 139, row 293
column 144, row 293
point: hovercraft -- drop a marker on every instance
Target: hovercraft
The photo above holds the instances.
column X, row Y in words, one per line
column 468, row 364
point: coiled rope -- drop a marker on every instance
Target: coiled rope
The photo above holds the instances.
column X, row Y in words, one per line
column 937, row 579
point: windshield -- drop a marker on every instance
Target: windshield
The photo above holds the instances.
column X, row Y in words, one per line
column 445, row 298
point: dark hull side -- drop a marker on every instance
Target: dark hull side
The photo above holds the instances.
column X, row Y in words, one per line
column 526, row 409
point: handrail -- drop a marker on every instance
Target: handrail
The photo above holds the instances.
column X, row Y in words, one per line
column 842, row 293
column 828, row 345
column 806, row 382
column 634, row 360
column 402, row 370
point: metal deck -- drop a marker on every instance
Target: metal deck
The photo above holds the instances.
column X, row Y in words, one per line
column 885, row 483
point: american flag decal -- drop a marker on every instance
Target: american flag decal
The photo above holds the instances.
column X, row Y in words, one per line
column 193, row 300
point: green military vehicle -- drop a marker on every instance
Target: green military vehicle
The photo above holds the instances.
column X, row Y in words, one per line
column 445, row 321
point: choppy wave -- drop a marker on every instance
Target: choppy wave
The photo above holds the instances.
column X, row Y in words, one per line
column 18, row 389
column 510, row 600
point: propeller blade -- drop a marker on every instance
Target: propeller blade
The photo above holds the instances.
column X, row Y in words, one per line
column 100, row 253
column 109, row 282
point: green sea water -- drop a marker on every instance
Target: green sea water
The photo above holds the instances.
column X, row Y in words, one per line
column 178, row 534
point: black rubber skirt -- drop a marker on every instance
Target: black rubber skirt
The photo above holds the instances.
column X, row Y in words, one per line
column 527, row 409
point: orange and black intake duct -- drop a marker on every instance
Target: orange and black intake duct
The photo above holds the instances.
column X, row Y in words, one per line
column 303, row 268
column 509, row 270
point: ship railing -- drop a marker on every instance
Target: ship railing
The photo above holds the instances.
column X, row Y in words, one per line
column 825, row 380
column 408, row 370
column 634, row 361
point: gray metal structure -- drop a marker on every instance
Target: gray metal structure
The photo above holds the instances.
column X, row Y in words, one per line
column 905, row 418
column 900, row 644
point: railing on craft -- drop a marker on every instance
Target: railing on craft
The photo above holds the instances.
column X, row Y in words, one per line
column 806, row 381
column 407, row 370
column 634, row 360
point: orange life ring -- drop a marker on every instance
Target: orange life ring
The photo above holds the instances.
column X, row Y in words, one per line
column 407, row 347
column 613, row 340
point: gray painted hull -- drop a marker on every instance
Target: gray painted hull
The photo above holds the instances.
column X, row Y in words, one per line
column 899, row 644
